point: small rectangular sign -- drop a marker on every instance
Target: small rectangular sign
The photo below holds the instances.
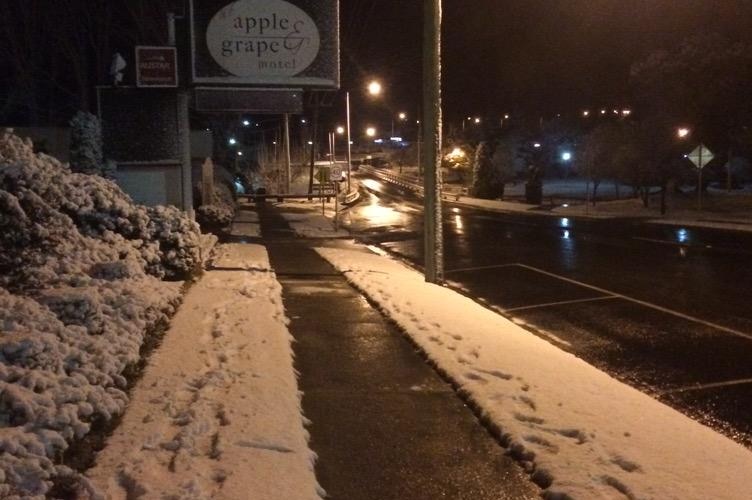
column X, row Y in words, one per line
column 156, row 67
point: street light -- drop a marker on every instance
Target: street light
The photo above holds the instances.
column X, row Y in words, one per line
column 683, row 132
column 340, row 130
column 374, row 88
column 232, row 141
column 371, row 132
column 402, row 116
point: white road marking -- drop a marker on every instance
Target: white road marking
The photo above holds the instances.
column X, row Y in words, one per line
column 699, row 387
column 481, row 268
column 561, row 303
column 662, row 242
column 642, row 303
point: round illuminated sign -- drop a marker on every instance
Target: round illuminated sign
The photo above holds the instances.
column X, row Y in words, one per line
column 263, row 38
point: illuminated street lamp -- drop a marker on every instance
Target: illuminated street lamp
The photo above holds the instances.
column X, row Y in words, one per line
column 246, row 123
column 371, row 132
column 566, row 156
column 477, row 120
column 683, row 132
column 340, row 130
column 586, row 113
column 402, row 116
column 232, row 141
column 374, row 88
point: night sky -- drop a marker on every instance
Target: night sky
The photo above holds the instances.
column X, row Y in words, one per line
column 523, row 56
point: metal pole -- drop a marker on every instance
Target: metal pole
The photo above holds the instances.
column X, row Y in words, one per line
column 699, row 179
column 434, row 262
column 185, row 151
column 287, row 153
column 349, row 145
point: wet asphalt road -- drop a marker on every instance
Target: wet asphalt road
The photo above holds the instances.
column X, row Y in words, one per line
column 663, row 308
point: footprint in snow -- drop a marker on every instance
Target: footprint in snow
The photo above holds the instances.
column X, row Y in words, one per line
column 457, row 337
column 529, row 419
column 529, row 402
column 541, row 441
column 575, row 434
column 496, row 373
column 475, row 377
column 626, row 465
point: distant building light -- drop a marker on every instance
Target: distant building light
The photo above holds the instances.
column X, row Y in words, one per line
column 456, row 154
column 395, row 139
column 246, row 123
column 626, row 112
column 240, row 153
column 603, row 111
column 310, row 143
column 477, row 120
column 506, row 117
column 232, row 141
column 303, row 121
column 379, row 141
column 586, row 113
column 537, row 145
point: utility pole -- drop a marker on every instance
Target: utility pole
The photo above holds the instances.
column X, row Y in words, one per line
column 349, row 143
column 434, row 258
column 288, row 177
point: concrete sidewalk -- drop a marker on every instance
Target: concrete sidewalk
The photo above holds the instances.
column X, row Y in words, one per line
column 384, row 424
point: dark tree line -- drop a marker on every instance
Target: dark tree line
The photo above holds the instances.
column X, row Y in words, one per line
column 53, row 54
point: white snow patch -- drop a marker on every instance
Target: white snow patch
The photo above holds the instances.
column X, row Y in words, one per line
column 217, row 413
column 588, row 434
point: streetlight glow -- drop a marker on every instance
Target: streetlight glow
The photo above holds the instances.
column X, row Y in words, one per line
column 586, row 113
column 566, row 156
column 402, row 116
column 477, row 121
column 232, row 141
column 371, row 132
column 374, row 88
column 246, row 123
column 340, row 130
column 683, row 132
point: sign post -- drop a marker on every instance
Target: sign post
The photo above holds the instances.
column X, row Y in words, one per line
column 701, row 156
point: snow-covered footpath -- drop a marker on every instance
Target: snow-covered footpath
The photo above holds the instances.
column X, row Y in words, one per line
column 217, row 413
column 580, row 432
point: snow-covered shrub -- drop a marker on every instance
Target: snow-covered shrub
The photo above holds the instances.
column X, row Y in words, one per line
column 167, row 239
column 219, row 211
column 86, row 144
column 79, row 291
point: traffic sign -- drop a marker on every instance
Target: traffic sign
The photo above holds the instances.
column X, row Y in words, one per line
column 701, row 156
column 336, row 173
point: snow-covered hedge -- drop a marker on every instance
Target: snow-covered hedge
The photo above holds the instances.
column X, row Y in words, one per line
column 220, row 209
column 80, row 286
column 166, row 240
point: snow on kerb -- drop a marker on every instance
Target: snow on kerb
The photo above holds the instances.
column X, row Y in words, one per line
column 581, row 433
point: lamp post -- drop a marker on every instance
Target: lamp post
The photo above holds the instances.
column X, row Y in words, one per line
column 433, row 243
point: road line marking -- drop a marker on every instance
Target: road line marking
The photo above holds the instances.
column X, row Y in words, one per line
column 642, row 303
column 699, row 387
column 481, row 268
column 561, row 303
column 662, row 242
